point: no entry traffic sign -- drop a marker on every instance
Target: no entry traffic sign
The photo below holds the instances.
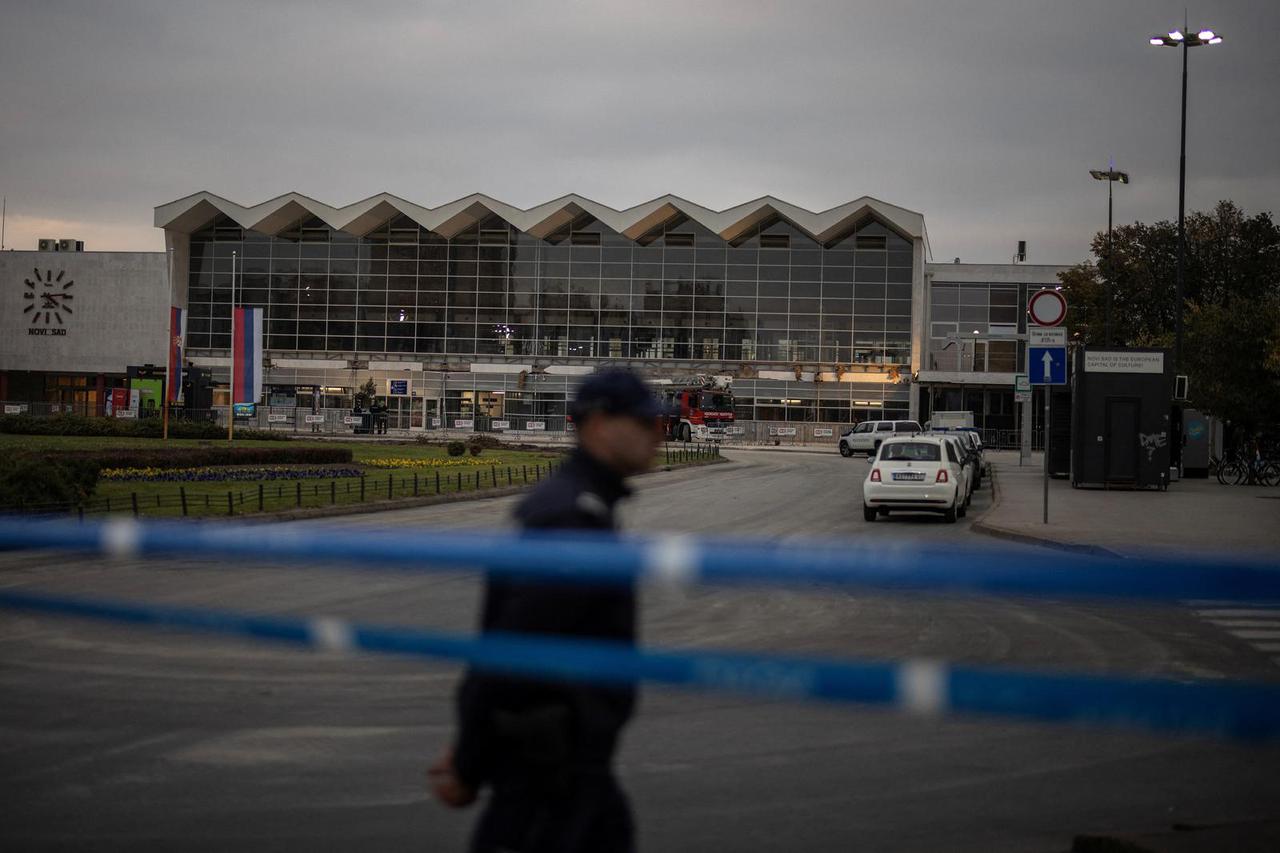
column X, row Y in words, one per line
column 1047, row 308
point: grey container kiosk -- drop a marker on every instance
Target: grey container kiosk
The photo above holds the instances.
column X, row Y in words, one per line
column 1121, row 418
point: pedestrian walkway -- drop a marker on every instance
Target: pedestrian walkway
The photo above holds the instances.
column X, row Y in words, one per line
column 1193, row 515
column 1256, row 623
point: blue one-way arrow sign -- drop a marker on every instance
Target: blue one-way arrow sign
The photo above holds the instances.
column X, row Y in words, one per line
column 1047, row 356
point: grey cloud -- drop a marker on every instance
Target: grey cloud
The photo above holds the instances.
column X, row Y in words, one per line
column 984, row 116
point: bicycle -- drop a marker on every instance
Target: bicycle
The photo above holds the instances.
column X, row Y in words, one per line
column 1248, row 470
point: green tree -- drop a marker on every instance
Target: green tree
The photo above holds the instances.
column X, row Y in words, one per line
column 366, row 393
column 1233, row 359
column 1231, row 319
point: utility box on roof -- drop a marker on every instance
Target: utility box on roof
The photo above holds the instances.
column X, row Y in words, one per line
column 1121, row 417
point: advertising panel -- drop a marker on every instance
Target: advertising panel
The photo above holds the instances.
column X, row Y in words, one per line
column 149, row 395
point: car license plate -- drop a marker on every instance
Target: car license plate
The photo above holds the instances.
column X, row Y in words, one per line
column 908, row 475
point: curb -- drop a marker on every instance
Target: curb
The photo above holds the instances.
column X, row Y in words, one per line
column 756, row 447
column 979, row 525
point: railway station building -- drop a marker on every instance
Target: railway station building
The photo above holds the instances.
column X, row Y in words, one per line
column 492, row 313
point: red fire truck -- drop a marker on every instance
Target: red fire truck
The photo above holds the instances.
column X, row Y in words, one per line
column 700, row 408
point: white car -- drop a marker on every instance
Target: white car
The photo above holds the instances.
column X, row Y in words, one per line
column 868, row 435
column 968, row 462
column 922, row 473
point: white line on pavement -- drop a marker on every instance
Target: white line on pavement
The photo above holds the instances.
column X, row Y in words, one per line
column 1246, row 623
column 1237, row 614
column 1257, row 635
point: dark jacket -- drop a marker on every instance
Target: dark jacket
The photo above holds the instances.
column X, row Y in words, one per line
column 525, row 730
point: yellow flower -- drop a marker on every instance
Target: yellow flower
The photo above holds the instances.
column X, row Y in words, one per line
column 404, row 462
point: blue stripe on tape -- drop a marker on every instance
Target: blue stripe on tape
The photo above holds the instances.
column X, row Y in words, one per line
column 1239, row 710
column 596, row 558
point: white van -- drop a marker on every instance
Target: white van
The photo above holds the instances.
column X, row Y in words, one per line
column 867, row 436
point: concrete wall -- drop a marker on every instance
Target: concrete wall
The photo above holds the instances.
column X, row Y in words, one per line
column 118, row 313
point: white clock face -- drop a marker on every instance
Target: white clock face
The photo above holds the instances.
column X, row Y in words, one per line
column 47, row 297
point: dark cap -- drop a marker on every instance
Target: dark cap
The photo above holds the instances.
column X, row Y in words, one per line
column 616, row 392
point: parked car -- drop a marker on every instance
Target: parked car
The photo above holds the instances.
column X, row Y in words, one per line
column 921, row 473
column 971, row 441
column 969, row 462
column 867, row 436
column 974, row 440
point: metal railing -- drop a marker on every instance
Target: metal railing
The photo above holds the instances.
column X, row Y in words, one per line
column 303, row 421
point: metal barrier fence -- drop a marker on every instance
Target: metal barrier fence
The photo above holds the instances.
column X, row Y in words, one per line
column 793, row 434
column 1243, row 710
column 302, row 421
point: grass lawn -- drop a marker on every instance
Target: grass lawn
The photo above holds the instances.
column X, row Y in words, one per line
column 494, row 468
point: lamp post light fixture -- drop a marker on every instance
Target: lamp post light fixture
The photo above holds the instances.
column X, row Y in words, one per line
column 1185, row 39
column 1110, row 176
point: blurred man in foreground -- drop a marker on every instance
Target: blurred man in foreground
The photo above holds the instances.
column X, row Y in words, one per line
column 545, row 748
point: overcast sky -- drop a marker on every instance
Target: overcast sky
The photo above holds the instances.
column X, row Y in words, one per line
column 983, row 115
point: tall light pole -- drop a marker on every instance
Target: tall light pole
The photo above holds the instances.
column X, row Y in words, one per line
column 1186, row 40
column 1110, row 176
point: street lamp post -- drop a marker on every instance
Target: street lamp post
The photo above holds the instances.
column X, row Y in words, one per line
column 1186, row 40
column 1110, row 176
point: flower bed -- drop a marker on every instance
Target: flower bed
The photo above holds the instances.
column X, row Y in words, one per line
column 403, row 462
column 219, row 475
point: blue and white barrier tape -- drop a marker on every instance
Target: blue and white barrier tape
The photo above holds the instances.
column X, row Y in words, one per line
column 675, row 559
column 1238, row 710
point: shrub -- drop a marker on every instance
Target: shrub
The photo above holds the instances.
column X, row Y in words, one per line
column 456, row 448
column 475, row 448
column 145, row 428
column 28, row 482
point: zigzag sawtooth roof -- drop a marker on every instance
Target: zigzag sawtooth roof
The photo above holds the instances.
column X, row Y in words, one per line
column 190, row 214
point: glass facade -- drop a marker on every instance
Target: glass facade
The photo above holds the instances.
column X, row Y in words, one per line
column 972, row 327
column 679, row 292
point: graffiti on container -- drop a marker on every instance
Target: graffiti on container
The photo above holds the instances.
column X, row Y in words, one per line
column 1150, row 441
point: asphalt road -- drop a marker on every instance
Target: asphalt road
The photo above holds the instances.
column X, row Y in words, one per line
column 115, row 739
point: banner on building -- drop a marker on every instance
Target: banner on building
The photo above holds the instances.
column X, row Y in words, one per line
column 246, row 383
column 177, row 334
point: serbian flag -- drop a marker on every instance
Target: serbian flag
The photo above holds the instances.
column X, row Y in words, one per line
column 246, row 385
column 177, row 333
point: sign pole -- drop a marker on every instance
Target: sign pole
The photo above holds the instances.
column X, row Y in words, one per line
column 231, row 384
column 1022, row 398
column 1046, row 453
column 1046, row 359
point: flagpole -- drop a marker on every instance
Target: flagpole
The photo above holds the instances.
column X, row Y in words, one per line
column 164, row 404
column 231, row 391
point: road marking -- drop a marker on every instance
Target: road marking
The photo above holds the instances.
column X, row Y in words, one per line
column 1254, row 622
column 1228, row 613
column 1246, row 623
column 1257, row 635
